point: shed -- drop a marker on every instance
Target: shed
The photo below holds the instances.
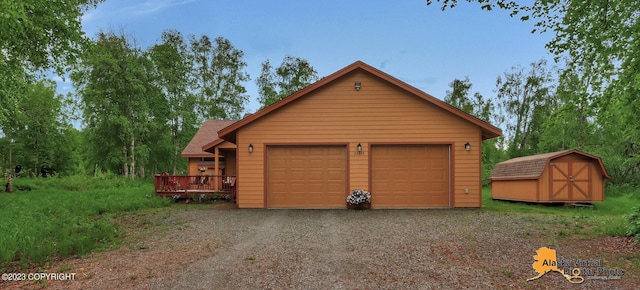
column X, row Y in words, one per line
column 563, row 176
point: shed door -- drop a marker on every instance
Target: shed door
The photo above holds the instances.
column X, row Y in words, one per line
column 306, row 176
column 410, row 175
column 570, row 181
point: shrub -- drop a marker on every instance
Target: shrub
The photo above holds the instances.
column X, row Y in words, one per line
column 634, row 223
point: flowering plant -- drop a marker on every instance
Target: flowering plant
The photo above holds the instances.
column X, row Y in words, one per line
column 359, row 196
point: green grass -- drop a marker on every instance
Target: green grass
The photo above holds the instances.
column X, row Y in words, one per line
column 50, row 218
column 608, row 218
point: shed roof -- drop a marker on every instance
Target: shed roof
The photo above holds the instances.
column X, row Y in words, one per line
column 488, row 131
column 531, row 167
column 208, row 133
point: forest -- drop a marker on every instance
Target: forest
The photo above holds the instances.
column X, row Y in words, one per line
column 139, row 107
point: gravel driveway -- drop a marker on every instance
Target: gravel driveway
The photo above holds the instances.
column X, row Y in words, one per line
column 202, row 248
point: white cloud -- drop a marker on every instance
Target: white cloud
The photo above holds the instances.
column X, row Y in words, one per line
column 153, row 6
column 108, row 10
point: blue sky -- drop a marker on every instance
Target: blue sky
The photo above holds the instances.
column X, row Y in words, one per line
column 419, row 44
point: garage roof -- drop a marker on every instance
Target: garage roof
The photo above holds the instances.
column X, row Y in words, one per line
column 488, row 131
column 531, row 167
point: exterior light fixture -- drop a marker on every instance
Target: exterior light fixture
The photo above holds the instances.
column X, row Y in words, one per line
column 359, row 148
column 357, row 86
column 467, row 146
column 250, row 148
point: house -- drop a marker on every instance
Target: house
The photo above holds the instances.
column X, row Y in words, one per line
column 202, row 162
column 564, row 176
column 358, row 128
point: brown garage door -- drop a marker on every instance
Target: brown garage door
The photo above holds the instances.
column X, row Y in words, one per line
column 306, row 176
column 410, row 175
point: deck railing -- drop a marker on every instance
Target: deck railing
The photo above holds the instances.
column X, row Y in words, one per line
column 184, row 184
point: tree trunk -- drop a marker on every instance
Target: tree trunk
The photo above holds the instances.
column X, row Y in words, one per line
column 142, row 172
column 582, row 121
column 132, row 148
column 125, row 164
column 175, row 146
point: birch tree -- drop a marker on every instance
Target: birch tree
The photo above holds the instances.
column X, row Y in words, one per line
column 36, row 35
column 525, row 98
column 113, row 83
column 173, row 75
column 219, row 73
column 292, row 75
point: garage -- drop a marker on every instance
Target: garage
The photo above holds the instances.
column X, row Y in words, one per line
column 358, row 128
column 410, row 175
column 306, row 176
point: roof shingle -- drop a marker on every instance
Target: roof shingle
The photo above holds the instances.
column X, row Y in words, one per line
column 523, row 167
column 205, row 135
column 531, row 167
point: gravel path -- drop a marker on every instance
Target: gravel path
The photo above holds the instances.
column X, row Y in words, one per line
column 202, row 248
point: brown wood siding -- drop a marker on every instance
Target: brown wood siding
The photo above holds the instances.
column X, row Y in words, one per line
column 597, row 176
column 521, row 190
column 196, row 163
column 588, row 182
column 226, row 145
column 230, row 162
column 306, row 176
column 575, row 178
column 543, row 182
column 378, row 113
column 410, row 176
column 193, row 166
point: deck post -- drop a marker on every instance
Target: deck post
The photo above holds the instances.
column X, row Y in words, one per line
column 216, row 167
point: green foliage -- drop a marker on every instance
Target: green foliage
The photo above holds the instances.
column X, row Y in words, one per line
column 62, row 217
column 571, row 123
column 37, row 135
column 526, row 99
column 483, row 109
column 132, row 98
column 492, row 154
column 608, row 218
column 116, row 91
column 36, row 35
column 597, row 43
column 292, row 75
column 177, row 118
column 218, row 77
column 36, row 127
column 634, row 223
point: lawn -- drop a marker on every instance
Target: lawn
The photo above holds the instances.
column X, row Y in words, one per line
column 52, row 218
column 609, row 218
column 49, row 219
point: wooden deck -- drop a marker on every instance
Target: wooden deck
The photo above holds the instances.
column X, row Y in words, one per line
column 195, row 186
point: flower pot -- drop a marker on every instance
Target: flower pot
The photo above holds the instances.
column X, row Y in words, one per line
column 364, row 205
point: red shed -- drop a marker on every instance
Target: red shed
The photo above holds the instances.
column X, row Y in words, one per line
column 564, row 176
